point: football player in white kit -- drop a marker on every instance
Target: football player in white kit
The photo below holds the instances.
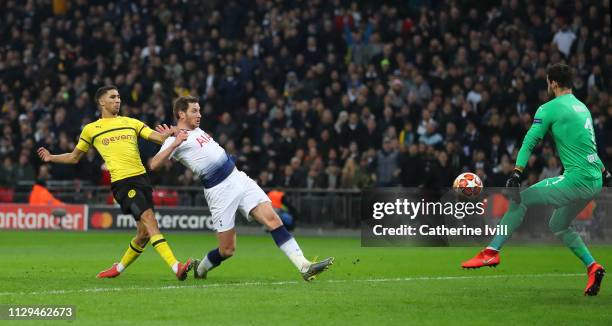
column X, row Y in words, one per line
column 226, row 190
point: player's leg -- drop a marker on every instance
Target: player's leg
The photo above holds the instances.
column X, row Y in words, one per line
column 557, row 191
column 135, row 248
column 214, row 258
column 160, row 244
column 135, row 196
column 265, row 214
column 559, row 224
column 133, row 251
column 256, row 203
column 223, row 201
column 551, row 191
column 125, row 193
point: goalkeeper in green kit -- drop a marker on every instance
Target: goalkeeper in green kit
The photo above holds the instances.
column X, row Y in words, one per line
column 570, row 123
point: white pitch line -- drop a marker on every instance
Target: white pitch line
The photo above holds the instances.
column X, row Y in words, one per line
column 218, row 285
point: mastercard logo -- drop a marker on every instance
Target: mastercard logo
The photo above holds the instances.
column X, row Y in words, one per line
column 102, row 220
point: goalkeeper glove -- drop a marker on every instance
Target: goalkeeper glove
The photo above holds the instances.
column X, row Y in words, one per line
column 514, row 182
column 606, row 177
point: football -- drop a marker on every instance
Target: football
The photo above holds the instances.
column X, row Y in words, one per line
column 468, row 185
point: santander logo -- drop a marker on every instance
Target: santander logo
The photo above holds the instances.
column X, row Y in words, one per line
column 38, row 217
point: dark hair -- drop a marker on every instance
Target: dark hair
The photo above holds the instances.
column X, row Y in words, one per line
column 560, row 73
column 103, row 90
column 182, row 103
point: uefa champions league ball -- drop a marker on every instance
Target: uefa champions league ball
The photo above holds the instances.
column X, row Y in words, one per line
column 468, row 185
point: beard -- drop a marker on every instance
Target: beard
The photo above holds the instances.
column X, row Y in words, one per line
column 193, row 123
column 550, row 92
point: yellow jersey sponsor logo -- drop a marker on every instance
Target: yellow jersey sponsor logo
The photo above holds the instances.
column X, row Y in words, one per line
column 108, row 140
column 131, row 193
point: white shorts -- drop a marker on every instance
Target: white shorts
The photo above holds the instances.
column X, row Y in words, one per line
column 237, row 192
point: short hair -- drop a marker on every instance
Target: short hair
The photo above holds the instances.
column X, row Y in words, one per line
column 103, row 90
column 560, row 73
column 182, row 103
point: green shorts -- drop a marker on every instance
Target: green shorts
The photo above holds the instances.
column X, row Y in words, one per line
column 561, row 190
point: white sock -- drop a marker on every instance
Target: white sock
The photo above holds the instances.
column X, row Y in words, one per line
column 120, row 268
column 205, row 265
column 175, row 267
column 293, row 251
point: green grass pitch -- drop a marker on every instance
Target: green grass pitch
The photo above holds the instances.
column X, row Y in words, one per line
column 259, row 286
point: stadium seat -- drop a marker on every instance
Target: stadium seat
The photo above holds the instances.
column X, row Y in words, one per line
column 105, row 179
column 165, row 197
column 110, row 200
column 6, row 195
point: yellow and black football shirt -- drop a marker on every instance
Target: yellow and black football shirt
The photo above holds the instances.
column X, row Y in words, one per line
column 116, row 139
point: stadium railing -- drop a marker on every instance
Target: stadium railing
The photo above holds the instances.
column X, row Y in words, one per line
column 339, row 208
column 335, row 208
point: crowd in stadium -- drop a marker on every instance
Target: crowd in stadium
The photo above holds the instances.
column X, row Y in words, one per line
column 308, row 94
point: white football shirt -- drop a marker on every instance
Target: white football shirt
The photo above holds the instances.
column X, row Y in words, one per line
column 200, row 153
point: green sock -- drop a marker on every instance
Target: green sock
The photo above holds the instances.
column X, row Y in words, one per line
column 513, row 219
column 574, row 242
column 560, row 223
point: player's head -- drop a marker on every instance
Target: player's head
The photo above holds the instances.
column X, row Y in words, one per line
column 187, row 111
column 559, row 78
column 108, row 99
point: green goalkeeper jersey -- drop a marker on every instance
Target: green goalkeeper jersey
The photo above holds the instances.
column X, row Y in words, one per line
column 571, row 126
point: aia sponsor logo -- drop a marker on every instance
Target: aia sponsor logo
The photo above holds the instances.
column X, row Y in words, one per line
column 107, row 140
column 203, row 139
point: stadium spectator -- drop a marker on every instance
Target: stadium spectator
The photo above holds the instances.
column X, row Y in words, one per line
column 40, row 195
column 272, row 74
column 552, row 169
column 8, row 172
column 563, row 40
column 89, row 169
column 24, row 172
column 386, row 164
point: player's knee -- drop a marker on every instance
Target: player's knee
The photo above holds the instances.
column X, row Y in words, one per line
column 273, row 220
column 555, row 228
column 147, row 215
column 269, row 218
column 150, row 223
column 227, row 251
column 522, row 206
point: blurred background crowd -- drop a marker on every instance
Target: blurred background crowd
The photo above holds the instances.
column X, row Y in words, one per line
column 305, row 94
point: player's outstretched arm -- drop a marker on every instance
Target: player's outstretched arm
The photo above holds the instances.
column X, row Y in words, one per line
column 161, row 133
column 165, row 153
column 67, row 158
